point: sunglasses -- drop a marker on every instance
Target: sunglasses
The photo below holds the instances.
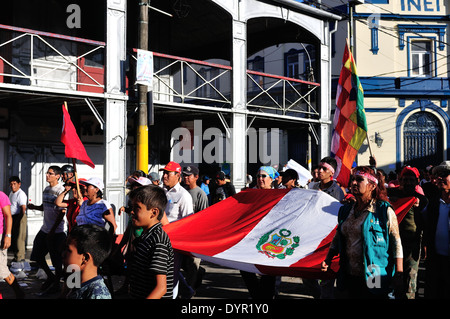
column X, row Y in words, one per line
column 261, row 175
column 358, row 178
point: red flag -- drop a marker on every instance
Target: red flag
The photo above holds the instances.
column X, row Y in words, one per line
column 402, row 206
column 69, row 136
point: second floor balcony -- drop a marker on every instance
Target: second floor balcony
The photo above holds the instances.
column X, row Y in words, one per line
column 54, row 63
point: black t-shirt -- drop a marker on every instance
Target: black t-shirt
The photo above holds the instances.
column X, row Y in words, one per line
column 153, row 255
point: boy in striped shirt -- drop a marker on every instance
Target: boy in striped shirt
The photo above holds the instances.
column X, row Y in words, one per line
column 151, row 261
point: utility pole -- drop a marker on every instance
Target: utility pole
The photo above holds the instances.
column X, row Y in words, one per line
column 351, row 10
column 142, row 134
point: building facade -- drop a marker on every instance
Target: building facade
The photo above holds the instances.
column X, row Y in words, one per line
column 401, row 51
column 208, row 86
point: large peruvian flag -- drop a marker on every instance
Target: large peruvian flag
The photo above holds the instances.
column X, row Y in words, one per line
column 262, row 231
column 275, row 232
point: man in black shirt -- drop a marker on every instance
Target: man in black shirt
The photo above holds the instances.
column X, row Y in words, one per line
column 411, row 228
column 223, row 188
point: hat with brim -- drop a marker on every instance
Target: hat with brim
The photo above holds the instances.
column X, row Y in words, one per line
column 153, row 176
column 221, row 175
column 410, row 170
column 444, row 167
column 94, row 181
column 172, row 167
column 189, row 170
column 143, row 181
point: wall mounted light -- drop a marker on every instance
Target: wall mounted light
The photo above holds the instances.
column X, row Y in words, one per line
column 378, row 139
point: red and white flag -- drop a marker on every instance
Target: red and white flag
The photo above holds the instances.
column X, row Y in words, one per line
column 69, row 137
column 274, row 232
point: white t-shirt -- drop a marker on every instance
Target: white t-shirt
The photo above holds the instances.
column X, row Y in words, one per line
column 17, row 200
column 179, row 203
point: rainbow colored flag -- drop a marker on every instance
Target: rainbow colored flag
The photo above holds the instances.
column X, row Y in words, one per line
column 349, row 123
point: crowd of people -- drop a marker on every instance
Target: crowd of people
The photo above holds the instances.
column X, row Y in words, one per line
column 380, row 249
column 378, row 255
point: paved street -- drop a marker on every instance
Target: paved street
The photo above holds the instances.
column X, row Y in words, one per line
column 218, row 283
column 227, row 283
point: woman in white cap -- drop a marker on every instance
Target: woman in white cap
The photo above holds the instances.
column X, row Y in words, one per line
column 95, row 210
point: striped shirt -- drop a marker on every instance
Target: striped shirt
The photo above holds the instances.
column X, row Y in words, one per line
column 153, row 255
column 51, row 211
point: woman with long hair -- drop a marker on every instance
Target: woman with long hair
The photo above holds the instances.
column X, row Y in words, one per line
column 367, row 239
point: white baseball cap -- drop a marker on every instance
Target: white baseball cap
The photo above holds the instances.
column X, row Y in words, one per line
column 94, row 181
column 144, row 181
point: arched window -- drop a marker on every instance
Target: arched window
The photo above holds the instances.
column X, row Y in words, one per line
column 423, row 140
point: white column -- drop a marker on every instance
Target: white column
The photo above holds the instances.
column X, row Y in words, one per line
column 325, row 96
column 239, row 100
column 115, row 108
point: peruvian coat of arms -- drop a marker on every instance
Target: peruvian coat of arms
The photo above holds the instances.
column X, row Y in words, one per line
column 278, row 244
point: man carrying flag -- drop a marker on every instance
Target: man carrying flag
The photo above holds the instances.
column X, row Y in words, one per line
column 349, row 123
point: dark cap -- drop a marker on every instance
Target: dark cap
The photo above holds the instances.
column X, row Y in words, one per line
column 220, row 175
column 189, row 170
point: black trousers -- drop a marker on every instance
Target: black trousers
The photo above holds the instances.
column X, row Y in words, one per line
column 259, row 288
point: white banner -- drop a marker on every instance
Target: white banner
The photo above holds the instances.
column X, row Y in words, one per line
column 144, row 68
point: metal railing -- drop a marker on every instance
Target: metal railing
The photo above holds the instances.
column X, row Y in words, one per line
column 184, row 80
column 54, row 61
column 43, row 59
column 282, row 95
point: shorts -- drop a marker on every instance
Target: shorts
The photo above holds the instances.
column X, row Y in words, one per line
column 41, row 247
column 4, row 270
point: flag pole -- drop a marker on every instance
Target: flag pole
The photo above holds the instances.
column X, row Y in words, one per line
column 74, row 162
column 368, row 142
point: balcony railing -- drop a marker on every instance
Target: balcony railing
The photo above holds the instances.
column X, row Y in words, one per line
column 183, row 80
column 52, row 61
column 57, row 62
column 282, row 95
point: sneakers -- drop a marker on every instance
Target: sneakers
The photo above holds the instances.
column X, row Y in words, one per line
column 41, row 274
column 19, row 269
column 21, row 275
column 17, row 266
